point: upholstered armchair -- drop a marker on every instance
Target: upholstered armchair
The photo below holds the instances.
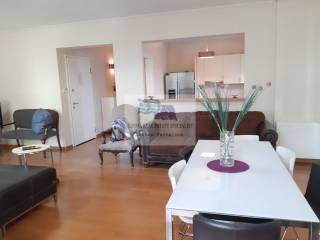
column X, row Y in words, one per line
column 22, row 122
column 130, row 115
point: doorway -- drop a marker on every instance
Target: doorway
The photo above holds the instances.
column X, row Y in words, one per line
column 87, row 80
column 79, row 79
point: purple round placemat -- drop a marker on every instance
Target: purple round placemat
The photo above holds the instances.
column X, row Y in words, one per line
column 238, row 167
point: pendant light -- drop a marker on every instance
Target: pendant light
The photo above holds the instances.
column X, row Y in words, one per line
column 206, row 54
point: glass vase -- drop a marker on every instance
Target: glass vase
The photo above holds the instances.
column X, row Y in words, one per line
column 226, row 148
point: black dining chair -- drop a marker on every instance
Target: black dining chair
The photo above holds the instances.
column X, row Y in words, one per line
column 313, row 194
column 209, row 227
column 186, row 152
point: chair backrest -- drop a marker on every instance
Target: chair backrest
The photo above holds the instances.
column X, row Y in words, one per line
column 205, row 228
column 288, row 158
column 313, row 194
column 129, row 113
column 186, row 152
column 246, row 138
column 23, row 118
column 175, row 172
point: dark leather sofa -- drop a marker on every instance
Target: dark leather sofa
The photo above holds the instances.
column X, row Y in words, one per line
column 22, row 188
column 164, row 138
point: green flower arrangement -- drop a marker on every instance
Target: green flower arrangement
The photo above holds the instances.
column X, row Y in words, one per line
column 218, row 107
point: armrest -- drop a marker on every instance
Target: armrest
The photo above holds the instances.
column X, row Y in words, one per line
column 148, row 132
column 268, row 133
column 7, row 124
column 50, row 125
column 105, row 134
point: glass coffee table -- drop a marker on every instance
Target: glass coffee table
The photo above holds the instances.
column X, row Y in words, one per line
column 23, row 151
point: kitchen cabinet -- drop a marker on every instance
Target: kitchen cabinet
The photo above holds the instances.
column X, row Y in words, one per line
column 226, row 68
column 242, row 67
column 232, row 68
column 209, row 69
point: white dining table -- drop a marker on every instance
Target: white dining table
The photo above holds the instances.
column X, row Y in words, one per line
column 266, row 190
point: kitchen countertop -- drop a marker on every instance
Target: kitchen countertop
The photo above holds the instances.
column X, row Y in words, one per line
column 194, row 100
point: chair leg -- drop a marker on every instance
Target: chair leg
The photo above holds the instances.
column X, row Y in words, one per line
column 44, row 152
column 131, row 158
column 55, row 198
column 58, row 138
column 101, row 157
column 296, row 233
column 140, row 151
column 3, row 232
column 184, row 231
column 284, row 233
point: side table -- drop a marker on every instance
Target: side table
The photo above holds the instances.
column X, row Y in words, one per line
column 36, row 148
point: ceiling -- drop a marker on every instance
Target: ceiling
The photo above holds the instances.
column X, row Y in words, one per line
column 28, row 13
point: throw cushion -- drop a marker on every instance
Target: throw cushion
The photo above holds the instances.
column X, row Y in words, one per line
column 120, row 130
column 40, row 119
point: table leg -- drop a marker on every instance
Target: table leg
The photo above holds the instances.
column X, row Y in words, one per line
column 314, row 231
column 20, row 160
column 52, row 161
column 169, row 225
column 25, row 160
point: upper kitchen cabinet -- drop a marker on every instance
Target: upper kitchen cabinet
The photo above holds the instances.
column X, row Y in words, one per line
column 226, row 68
column 209, row 69
column 242, row 67
column 232, row 69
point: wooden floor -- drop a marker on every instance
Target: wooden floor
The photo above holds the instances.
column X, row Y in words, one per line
column 109, row 202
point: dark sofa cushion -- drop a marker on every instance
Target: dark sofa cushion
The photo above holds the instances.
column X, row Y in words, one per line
column 250, row 124
column 170, row 144
column 23, row 187
column 207, row 128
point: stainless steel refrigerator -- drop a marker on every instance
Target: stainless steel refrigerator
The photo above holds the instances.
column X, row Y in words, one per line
column 179, row 85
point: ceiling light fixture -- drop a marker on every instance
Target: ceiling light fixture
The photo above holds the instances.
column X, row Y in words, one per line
column 206, row 54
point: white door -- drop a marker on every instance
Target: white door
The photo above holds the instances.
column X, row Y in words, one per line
column 81, row 99
column 232, row 68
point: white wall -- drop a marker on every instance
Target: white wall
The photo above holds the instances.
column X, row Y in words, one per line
column 181, row 54
column 102, row 82
column 157, row 51
column 28, row 58
column 298, row 61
